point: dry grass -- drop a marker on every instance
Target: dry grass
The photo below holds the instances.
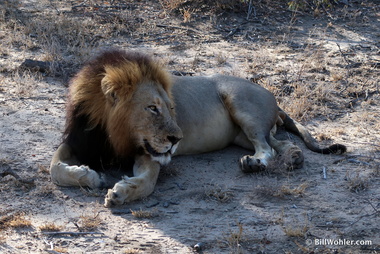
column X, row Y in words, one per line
column 219, row 194
column 294, row 191
column 356, row 182
column 144, row 214
column 89, row 222
column 16, row 221
column 3, row 239
column 66, row 39
column 60, row 250
column 234, row 239
column 24, row 82
column 293, row 230
column 19, row 221
column 50, row 227
column 221, row 59
column 170, row 5
column 132, row 251
column 43, row 169
column 92, row 192
column 273, row 188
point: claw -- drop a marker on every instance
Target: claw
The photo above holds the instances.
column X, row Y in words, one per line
column 251, row 165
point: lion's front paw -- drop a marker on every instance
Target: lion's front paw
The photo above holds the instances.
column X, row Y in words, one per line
column 249, row 164
column 112, row 199
column 123, row 191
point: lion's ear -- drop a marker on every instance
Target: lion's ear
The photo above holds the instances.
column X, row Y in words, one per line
column 109, row 90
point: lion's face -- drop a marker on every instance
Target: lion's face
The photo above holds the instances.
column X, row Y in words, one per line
column 146, row 118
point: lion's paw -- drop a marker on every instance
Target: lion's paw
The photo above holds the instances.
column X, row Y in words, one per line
column 250, row 164
column 65, row 175
column 294, row 158
column 122, row 192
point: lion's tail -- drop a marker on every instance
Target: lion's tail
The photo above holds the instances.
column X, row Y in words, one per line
column 295, row 127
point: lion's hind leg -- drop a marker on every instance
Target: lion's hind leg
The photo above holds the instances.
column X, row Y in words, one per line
column 253, row 137
column 263, row 153
column 64, row 172
column 255, row 123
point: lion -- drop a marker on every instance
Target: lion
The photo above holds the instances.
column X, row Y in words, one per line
column 125, row 111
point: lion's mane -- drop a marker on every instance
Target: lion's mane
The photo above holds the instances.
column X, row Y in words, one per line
column 94, row 128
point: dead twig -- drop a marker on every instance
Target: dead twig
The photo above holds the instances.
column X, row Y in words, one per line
column 361, row 217
column 9, row 171
column 343, row 55
column 34, row 65
column 72, row 233
column 324, row 173
column 182, row 73
column 178, row 27
column 353, row 159
column 377, row 212
column 358, row 162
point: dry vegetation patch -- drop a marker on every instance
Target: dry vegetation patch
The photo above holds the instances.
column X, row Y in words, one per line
column 144, row 214
column 15, row 220
column 50, row 227
column 274, row 188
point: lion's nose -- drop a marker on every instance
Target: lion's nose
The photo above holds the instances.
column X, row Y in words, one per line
column 174, row 139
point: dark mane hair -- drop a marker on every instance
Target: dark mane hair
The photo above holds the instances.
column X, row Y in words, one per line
column 86, row 130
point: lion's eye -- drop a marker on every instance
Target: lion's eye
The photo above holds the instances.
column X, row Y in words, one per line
column 153, row 109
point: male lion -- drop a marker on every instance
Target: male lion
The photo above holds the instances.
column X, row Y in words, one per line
column 124, row 108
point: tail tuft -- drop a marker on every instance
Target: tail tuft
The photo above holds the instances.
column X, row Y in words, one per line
column 334, row 149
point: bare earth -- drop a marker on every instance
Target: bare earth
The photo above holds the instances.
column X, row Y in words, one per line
column 324, row 67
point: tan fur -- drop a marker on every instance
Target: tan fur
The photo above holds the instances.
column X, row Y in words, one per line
column 127, row 102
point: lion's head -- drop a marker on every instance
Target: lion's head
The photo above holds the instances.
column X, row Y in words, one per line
column 128, row 95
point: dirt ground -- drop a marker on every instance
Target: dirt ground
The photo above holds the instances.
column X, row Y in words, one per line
column 322, row 64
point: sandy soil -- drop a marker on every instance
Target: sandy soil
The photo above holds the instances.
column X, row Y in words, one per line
column 203, row 199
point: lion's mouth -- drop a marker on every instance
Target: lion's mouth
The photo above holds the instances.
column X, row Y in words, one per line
column 152, row 151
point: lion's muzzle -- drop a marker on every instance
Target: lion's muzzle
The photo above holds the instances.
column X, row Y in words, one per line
column 168, row 148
